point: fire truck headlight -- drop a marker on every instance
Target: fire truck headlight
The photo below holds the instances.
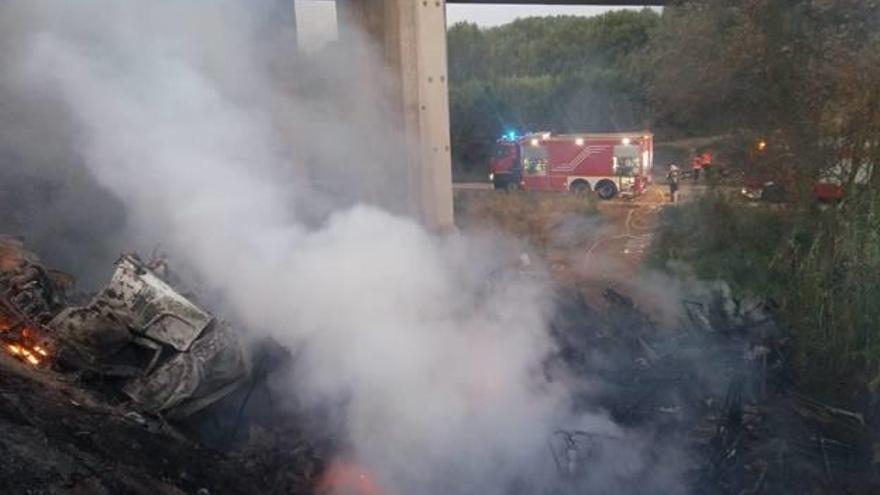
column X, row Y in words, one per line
column 534, row 142
column 579, row 141
column 491, row 177
column 546, row 135
column 626, row 141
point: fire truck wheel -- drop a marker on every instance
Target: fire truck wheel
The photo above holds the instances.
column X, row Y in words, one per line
column 511, row 186
column 580, row 186
column 606, row 189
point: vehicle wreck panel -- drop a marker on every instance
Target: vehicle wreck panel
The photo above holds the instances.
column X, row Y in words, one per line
column 157, row 310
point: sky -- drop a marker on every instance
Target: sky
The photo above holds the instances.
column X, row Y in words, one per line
column 316, row 19
column 494, row 15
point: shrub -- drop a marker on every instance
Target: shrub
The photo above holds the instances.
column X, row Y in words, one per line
column 820, row 264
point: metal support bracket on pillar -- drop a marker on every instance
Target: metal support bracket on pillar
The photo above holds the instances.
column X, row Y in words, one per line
column 412, row 37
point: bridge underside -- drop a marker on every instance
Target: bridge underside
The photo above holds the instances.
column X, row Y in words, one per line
column 411, row 36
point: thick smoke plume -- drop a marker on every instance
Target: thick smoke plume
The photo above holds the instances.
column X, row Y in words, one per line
column 274, row 177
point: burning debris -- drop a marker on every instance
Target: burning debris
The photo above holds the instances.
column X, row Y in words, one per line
column 141, row 339
column 33, row 355
column 715, row 391
column 171, row 357
column 30, row 294
column 176, row 357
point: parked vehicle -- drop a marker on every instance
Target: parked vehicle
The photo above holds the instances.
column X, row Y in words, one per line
column 776, row 183
column 610, row 164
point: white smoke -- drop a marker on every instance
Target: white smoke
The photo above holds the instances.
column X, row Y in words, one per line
column 203, row 122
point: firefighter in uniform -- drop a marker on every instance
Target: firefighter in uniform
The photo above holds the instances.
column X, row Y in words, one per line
column 672, row 179
column 706, row 162
column 696, row 166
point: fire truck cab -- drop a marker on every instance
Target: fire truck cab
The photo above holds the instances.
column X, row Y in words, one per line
column 609, row 164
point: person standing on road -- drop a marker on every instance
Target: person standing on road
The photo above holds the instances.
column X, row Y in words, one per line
column 696, row 166
column 706, row 162
column 672, row 179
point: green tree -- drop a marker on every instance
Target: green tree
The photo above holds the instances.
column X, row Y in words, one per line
column 476, row 119
column 805, row 75
column 469, row 51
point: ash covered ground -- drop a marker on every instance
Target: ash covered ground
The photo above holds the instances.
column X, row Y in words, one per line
column 705, row 405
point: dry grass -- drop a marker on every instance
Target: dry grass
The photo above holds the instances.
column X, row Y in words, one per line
column 541, row 219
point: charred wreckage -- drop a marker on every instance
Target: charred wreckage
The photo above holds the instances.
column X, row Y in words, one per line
column 136, row 389
column 719, row 388
column 170, row 356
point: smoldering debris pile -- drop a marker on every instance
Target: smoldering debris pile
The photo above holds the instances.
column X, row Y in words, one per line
column 173, row 357
column 718, row 390
column 86, row 408
column 138, row 389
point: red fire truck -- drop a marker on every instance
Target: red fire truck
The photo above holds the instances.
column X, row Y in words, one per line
column 608, row 163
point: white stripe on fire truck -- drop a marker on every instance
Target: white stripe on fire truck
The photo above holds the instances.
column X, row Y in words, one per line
column 580, row 157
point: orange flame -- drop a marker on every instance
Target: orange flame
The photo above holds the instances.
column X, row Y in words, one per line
column 29, row 355
column 20, row 339
column 348, row 479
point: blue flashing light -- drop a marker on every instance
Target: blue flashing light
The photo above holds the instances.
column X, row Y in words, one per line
column 510, row 135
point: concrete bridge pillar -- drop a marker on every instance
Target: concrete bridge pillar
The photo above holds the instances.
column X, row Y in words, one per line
column 411, row 38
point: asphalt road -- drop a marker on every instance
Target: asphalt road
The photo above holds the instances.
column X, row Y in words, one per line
column 472, row 186
column 658, row 193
